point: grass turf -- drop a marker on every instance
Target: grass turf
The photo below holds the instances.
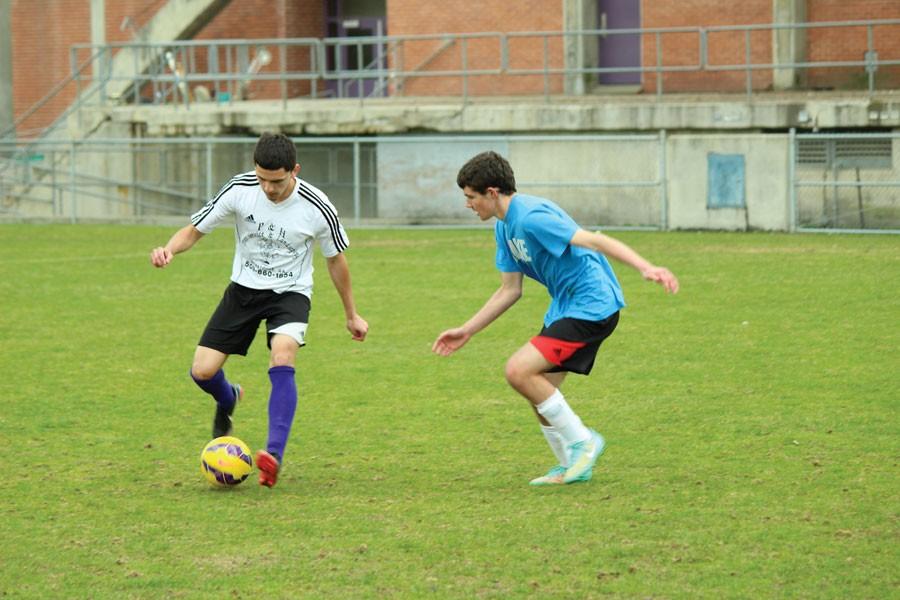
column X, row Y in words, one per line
column 751, row 422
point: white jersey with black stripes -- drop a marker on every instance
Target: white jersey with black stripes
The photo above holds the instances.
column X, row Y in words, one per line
column 273, row 249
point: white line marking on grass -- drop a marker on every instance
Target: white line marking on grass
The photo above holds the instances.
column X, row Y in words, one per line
column 65, row 259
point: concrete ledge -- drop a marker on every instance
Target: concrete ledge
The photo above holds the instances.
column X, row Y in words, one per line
column 807, row 110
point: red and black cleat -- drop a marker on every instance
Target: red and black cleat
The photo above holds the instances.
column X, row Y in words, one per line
column 268, row 468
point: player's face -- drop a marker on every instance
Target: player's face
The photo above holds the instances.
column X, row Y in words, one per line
column 277, row 184
column 484, row 205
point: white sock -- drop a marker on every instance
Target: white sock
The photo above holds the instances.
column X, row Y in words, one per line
column 556, row 444
column 560, row 415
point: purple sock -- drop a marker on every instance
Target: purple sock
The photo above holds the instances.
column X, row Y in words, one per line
column 282, row 405
column 218, row 387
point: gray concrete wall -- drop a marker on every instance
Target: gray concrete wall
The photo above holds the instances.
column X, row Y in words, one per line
column 788, row 45
column 417, row 182
column 766, row 159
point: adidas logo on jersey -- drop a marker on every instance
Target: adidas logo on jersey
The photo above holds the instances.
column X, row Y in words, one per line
column 249, row 218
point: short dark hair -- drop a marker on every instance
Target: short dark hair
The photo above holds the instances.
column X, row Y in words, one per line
column 485, row 170
column 275, row 151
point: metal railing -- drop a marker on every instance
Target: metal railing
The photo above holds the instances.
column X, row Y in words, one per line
column 457, row 65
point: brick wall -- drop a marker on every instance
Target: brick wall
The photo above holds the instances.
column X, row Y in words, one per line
column 41, row 45
column 850, row 43
column 260, row 19
column 725, row 48
column 42, row 38
column 40, row 53
column 411, row 17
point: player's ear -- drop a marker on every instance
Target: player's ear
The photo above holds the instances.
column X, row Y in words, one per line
column 296, row 170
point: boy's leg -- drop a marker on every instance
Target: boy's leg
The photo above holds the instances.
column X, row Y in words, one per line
column 554, row 439
column 207, row 373
column 526, row 372
column 282, row 407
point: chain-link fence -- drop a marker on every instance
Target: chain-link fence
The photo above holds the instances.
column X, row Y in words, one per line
column 846, row 182
column 613, row 180
column 824, row 182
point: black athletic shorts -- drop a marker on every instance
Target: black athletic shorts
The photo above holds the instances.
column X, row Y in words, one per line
column 572, row 344
column 233, row 325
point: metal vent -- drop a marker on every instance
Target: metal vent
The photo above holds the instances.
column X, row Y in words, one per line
column 846, row 153
column 812, row 152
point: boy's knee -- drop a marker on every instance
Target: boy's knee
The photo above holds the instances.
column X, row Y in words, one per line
column 202, row 372
column 514, row 372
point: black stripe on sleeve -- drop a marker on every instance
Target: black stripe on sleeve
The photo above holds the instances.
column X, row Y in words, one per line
column 243, row 180
column 340, row 242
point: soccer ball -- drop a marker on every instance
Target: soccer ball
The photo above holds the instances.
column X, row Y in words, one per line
column 225, row 461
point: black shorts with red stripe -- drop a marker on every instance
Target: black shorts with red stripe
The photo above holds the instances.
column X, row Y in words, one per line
column 572, row 344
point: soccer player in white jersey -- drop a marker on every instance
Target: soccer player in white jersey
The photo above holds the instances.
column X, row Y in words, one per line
column 535, row 237
column 278, row 218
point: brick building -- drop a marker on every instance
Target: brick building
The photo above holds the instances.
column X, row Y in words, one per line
column 42, row 57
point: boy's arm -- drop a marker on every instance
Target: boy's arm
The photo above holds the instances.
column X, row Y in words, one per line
column 339, row 271
column 182, row 240
column 507, row 294
column 621, row 252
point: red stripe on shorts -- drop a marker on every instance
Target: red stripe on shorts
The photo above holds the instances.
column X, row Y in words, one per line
column 554, row 350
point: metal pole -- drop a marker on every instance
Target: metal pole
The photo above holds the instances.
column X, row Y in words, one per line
column 792, row 180
column 834, row 195
column 73, row 59
column 209, row 172
column 663, row 182
column 359, row 72
column 356, row 183
column 136, row 86
column 53, row 189
column 871, row 53
column 282, row 60
column 547, row 73
column 72, row 186
column 748, row 59
column 465, row 67
column 659, row 83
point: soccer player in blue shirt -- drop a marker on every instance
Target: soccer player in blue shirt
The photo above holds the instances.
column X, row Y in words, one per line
column 535, row 237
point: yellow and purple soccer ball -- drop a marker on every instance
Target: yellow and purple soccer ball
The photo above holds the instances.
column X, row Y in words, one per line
column 226, row 461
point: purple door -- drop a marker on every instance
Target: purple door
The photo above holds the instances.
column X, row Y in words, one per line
column 619, row 50
column 356, row 58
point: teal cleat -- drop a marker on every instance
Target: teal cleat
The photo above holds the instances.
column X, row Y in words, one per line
column 553, row 477
column 584, row 454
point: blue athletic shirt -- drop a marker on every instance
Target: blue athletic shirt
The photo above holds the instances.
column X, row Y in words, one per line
column 533, row 239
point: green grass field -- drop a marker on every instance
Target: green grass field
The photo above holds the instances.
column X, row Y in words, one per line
column 752, row 423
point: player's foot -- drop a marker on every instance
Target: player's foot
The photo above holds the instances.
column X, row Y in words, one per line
column 583, row 456
column 553, row 477
column 268, row 468
column 222, row 421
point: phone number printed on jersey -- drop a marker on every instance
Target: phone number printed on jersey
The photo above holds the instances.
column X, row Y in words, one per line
column 266, row 272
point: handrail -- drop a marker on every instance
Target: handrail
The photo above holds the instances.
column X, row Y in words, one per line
column 385, row 68
column 501, row 60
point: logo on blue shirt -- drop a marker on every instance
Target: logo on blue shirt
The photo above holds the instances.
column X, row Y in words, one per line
column 519, row 249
